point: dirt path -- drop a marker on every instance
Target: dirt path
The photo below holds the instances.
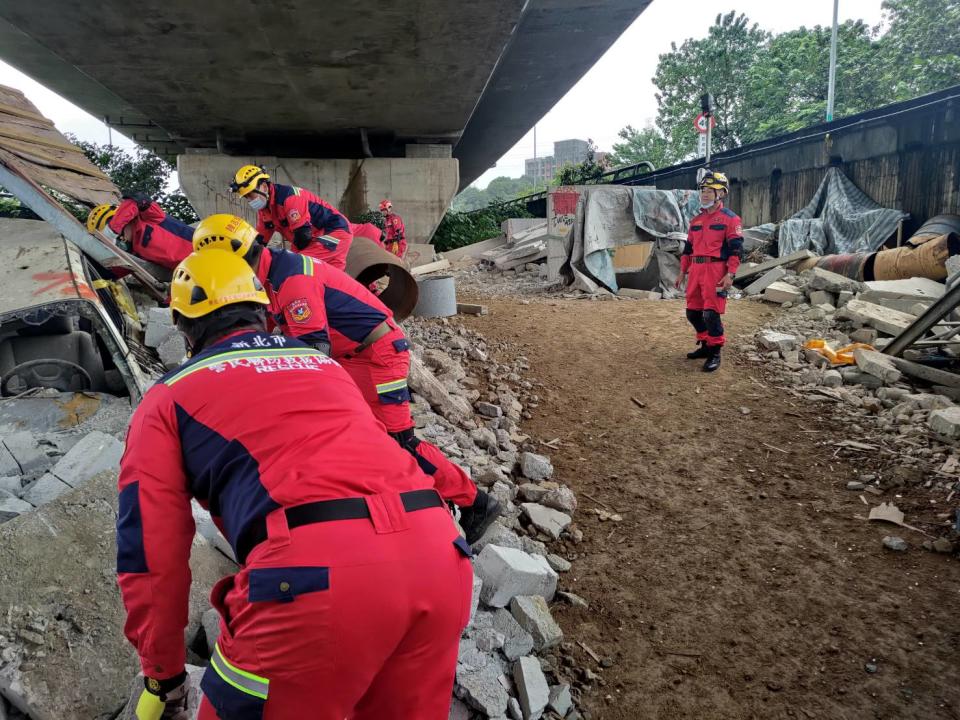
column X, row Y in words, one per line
column 739, row 584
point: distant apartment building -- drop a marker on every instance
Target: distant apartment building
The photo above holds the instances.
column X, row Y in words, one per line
column 541, row 170
column 565, row 152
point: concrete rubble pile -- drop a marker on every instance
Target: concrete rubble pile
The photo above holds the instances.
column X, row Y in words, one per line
column 61, row 644
column 903, row 417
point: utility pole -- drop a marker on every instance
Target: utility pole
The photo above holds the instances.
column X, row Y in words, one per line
column 832, row 87
column 536, row 176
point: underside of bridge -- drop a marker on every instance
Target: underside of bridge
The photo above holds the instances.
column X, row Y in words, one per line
column 371, row 79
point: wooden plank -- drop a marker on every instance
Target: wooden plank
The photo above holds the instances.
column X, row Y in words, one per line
column 49, row 142
column 745, row 273
column 430, row 267
column 24, row 113
column 471, row 309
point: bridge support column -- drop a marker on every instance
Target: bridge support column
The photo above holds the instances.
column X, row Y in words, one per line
column 420, row 187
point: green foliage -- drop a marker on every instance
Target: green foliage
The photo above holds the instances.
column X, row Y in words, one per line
column 458, row 229
column 638, row 145
column 500, row 189
column 921, row 49
column 372, row 216
column 583, row 173
column 10, row 207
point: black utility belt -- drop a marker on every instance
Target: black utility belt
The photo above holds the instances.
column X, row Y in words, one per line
column 354, row 508
column 701, row 259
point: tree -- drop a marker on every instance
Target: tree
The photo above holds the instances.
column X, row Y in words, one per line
column 921, row 48
column 583, row 173
column 717, row 64
column 143, row 172
column 638, row 145
column 787, row 85
column 499, row 190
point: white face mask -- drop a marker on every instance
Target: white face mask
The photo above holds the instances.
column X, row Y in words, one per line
column 258, row 203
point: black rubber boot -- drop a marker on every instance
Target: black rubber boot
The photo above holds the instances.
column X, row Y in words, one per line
column 713, row 362
column 476, row 518
column 701, row 352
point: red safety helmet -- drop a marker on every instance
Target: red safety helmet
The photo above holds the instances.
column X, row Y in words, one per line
column 385, row 205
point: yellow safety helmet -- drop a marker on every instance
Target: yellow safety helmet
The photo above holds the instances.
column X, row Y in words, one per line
column 247, row 179
column 207, row 281
column 224, row 232
column 100, row 216
column 716, row 181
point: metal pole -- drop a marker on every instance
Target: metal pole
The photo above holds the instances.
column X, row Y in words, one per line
column 832, row 87
column 536, row 166
column 709, row 134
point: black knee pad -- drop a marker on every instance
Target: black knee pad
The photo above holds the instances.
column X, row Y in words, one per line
column 713, row 322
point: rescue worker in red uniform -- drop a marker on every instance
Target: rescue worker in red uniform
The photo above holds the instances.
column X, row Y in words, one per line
column 330, row 310
column 354, row 585
column 139, row 226
column 367, row 230
column 395, row 239
column 711, row 257
column 310, row 224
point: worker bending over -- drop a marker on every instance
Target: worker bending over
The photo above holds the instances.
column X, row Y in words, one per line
column 310, row 224
column 354, row 585
column 327, row 308
column 140, row 226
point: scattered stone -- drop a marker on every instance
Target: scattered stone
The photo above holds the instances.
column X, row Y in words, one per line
column 485, row 438
column 172, row 351
column 822, row 297
column 482, row 689
column 536, row 467
column 95, row 453
column 820, row 279
column 764, row 281
column 867, row 336
column 876, row 364
column 11, row 506
column 497, row 534
column 513, row 707
column 8, row 465
column 831, row 378
column 531, row 686
column 780, row 292
column 454, row 408
column 561, row 498
column 533, row 615
column 855, row 485
column 475, row 597
column 488, row 409
column 945, row 422
column 516, row 641
column 44, row 490
column 773, row 340
column 552, row 522
column 506, row 573
column 572, row 598
column 897, row 544
column 943, row 545
column 532, row 492
column 560, row 701
column 27, row 453
column 159, row 327
column 561, row 565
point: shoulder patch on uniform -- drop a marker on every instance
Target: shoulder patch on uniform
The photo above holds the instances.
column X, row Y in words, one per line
column 728, row 212
column 294, row 215
column 300, row 310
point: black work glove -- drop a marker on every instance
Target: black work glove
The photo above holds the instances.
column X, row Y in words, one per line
column 165, row 699
column 302, row 237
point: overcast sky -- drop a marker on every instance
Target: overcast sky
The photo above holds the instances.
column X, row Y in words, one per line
column 616, row 92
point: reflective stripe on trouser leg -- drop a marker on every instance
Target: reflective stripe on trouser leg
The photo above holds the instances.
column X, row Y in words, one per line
column 242, row 680
column 714, row 327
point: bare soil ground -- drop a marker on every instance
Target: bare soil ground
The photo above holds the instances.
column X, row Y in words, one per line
column 739, row 584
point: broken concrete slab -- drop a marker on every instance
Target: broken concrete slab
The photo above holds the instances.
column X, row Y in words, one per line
column 11, row 484
column 27, row 452
column 820, row 279
column 780, row 292
column 560, row 701
column 547, row 520
column 11, row 506
column 159, row 327
column 773, row 340
column 916, row 289
column 498, row 534
column 65, row 554
column 533, row 614
column 129, row 712
column 95, row 453
column 8, row 465
column 482, row 689
column 765, row 280
column 945, row 422
column 454, row 408
column 475, row 597
column 46, row 489
column 172, row 351
column 822, row 297
column 927, row 374
column 745, row 272
column 876, row 364
column 886, row 320
column 868, row 336
column 531, row 686
column 561, row 498
column 536, row 467
column 517, row 642
column 507, row 573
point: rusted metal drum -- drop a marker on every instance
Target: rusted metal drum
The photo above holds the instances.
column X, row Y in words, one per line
column 850, row 265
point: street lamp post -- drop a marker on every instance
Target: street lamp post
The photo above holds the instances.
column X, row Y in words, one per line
column 832, row 87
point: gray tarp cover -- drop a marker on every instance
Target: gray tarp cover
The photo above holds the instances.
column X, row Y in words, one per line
column 614, row 215
column 839, row 219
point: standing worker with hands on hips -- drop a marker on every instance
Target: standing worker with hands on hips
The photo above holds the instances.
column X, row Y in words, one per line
column 711, row 256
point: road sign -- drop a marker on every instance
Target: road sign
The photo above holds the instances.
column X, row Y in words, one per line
column 702, row 145
column 701, row 123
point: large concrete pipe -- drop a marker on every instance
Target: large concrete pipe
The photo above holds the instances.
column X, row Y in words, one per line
column 367, row 262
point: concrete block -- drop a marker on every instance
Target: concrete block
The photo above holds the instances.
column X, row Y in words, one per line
column 11, row 506
column 482, row 689
column 27, row 452
column 945, row 422
column 560, row 701
column 876, row 364
column 65, row 555
column 517, row 642
column 533, row 614
column 11, row 484
column 159, row 327
column 531, row 686
column 745, row 272
column 536, row 467
column 454, row 408
column 129, row 712
column 844, row 297
column 855, row 376
column 498, row 534
column 561, row 498
column 773, row 340
column 507, row 573
column 831, row 378
column 475, row 597
column 44, row 490
column 820, row 279
column 867, row 336
column 488, row 409
column 8, row 465
column 781, row 292
column 172, row 351
column 95, row 453
column 906, row 289
column 552, row 522
column 514, row 711
column 764, row 281
column 891, row 322
column 822, row 297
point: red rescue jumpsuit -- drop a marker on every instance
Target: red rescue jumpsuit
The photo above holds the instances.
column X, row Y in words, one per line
column 396, row 236
column 713, row 248
column 157, row 237
column 291, row 208
column 367, row 230
column 315, row 302
column 354, row 614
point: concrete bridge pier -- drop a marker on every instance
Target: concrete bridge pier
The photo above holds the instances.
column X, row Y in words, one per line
column 420, row 185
